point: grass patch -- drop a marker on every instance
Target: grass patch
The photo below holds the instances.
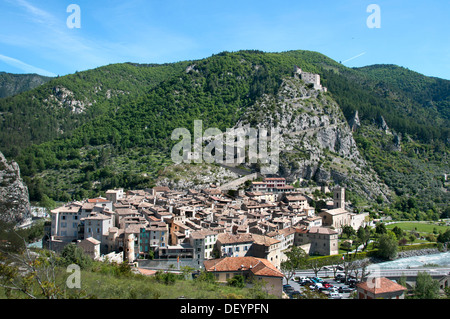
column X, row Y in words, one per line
column 419, row 227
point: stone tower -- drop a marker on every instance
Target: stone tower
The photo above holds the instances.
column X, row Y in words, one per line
column 339, row 197
column 129, row 247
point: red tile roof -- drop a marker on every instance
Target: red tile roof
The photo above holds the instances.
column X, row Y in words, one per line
column 380, row 286
column 98, row 200
column 258, row 266
column 146, row 272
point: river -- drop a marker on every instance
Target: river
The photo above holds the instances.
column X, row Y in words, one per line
column 441, row 259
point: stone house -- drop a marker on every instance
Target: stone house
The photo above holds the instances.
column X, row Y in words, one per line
column 203, row 243
column 153, row 237
column 230, row 245
column 91, row 247
column 380, row 288
column 97, row 226
column 250, row 244
column 324, row 241
column 339, row 217
column 250, row 268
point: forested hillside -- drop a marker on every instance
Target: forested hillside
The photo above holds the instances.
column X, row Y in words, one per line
column 78, row 135
column 63, row 104
column 12, row 84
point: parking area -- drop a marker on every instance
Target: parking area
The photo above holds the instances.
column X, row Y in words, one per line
column 333, row 288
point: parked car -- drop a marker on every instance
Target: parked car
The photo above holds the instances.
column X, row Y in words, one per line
column 304, row 281
column 326, row 285
column 351, row 281
column 334, row 295
column 315, row 286
column 345, row 289
column 318, row 279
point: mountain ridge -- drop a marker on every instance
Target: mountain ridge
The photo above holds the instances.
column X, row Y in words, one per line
column 12, row 84
column 125, row 142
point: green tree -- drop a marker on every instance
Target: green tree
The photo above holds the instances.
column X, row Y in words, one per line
column 444, row 237
column 72, row 254
column 398, row 232
column 426, row 287
column 47, row 202
column 348, row 231
column 297, row 258
column 287, row 267
column 30, row 276
column 387, row 246
column 363, row 234
column 237, row 281
column 380, row 229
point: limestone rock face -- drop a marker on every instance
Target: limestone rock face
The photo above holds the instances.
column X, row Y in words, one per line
column 315, row 140
column 355, row 123
column 14, row 197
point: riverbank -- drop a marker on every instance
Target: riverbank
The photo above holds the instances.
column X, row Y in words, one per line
column 418, row 252
column 416, row 258
column 407, row 254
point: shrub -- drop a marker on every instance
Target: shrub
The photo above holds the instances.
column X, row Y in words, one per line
column 72, row 254
column 237, row 281
column 167, row 278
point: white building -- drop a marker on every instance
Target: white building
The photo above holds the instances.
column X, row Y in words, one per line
column 65, row 221
column 310, row 78
column 97, row 226
column 203, row 243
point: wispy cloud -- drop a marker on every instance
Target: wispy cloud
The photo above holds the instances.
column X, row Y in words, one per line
column 24, row 66
column 46, row 33
column 36, row 13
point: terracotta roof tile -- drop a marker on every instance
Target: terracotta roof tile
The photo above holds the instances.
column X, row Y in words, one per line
column 258, row 266
column 380, row 286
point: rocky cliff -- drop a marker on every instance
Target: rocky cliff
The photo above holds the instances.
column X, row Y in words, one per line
column 14, row 198
column 316, row 142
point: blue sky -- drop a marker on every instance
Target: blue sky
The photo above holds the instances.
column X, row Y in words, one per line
column 35, row 38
